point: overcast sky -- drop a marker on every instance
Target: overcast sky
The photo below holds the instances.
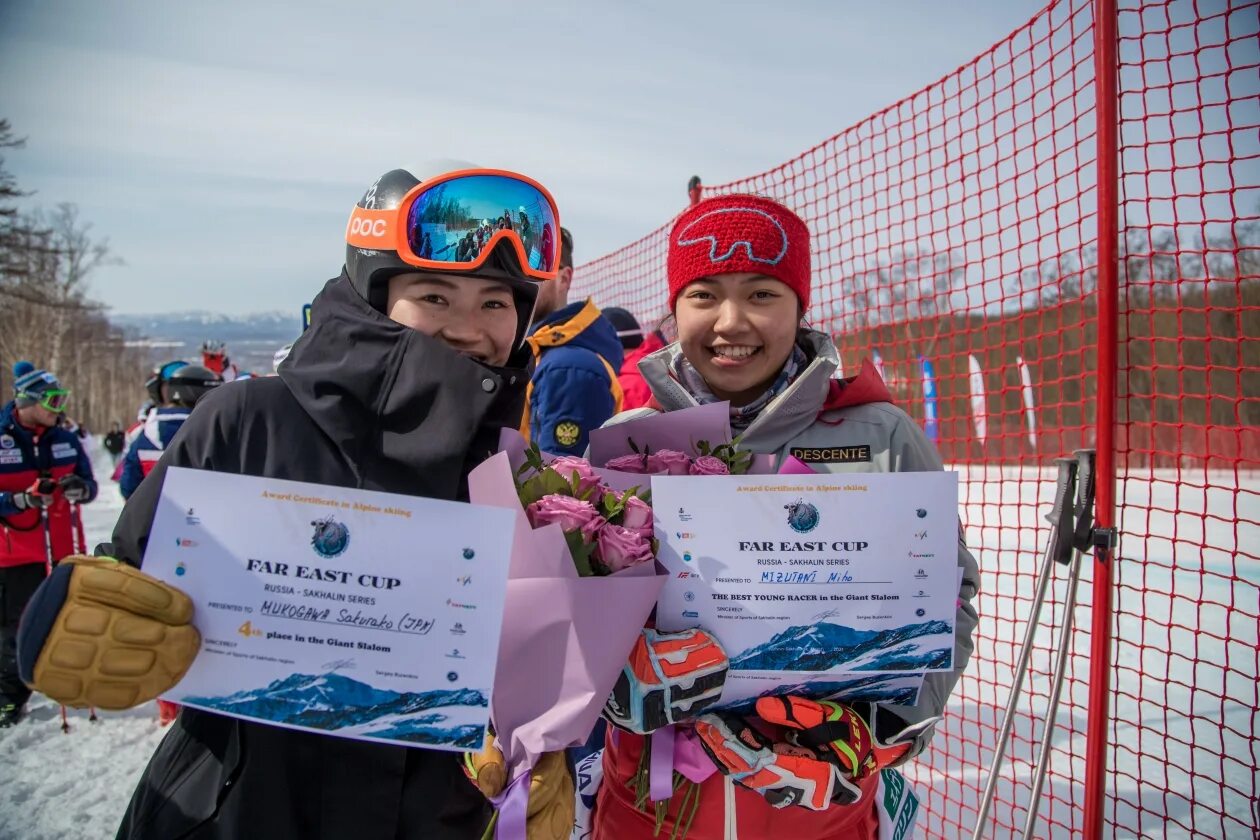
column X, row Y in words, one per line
column 220, row 146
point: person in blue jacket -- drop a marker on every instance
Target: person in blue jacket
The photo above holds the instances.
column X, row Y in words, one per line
column 179, row 392
column 44, row 472
column 577, row 355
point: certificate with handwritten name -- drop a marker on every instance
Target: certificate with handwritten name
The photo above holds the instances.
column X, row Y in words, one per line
column 345, row 612
column 802, row 576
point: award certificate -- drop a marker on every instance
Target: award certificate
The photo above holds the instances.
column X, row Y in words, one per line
column 347, row 612
column 808, row 575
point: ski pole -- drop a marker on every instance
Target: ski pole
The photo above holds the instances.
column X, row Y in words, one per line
column 48, row 565
column 1082, row 541
column 46, row 488
column 1060, row 519
column 76, row 513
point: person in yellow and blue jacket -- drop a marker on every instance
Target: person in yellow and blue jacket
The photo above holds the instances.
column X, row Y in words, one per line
column 577, row 355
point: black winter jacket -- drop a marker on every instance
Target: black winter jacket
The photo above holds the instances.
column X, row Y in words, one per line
column 360, row 402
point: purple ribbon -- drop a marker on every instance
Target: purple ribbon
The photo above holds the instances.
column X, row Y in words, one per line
column 676, row 749
column 661, row 770
column 512, row 804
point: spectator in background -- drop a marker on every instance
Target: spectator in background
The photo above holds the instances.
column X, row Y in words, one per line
column 43, row 472
column 634, row 391
column 214, row 357
column 114, row 441
column 179, row 390
column 575, row 387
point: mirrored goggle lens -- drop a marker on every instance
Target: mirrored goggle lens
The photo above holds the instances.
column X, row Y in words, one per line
column 455, row 221
column 55, row 400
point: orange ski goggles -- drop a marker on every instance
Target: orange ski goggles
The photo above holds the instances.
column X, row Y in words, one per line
column 454, row 221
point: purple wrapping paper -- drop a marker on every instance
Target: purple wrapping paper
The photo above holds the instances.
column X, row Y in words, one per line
column 565, row 637
column 680, row 430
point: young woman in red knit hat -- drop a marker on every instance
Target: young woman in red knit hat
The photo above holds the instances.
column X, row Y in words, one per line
column 739, row 288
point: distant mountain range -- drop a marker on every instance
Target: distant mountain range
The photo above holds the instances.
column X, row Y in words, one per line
column 335, row 701
column 252, row 340
column 822, row 646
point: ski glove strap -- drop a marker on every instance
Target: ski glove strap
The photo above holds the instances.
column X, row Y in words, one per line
column 668, row 678
column 100, row 633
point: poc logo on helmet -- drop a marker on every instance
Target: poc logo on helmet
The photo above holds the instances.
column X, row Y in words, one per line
column 360, row 226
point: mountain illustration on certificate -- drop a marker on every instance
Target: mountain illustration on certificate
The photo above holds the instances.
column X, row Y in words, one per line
column 925, row 646
column 333, row 701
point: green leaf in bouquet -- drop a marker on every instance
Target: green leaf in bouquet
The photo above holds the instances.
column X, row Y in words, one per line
column 612, row 505
column 534, row 459
column 554, row 484
column 581, row 552
column 531, row 490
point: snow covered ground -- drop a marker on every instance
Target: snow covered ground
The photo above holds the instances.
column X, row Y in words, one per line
column 75, row 785
column 1185, row 724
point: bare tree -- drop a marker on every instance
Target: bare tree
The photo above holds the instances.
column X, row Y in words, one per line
column 46, row 313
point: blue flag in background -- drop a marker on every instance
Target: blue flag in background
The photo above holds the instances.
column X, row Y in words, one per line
column 930, row 426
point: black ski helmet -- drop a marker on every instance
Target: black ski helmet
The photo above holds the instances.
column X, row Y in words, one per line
column 190, row 383
column 161, row 374
column 370, row 271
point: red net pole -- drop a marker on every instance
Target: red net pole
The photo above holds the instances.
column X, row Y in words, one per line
column 1106, row 97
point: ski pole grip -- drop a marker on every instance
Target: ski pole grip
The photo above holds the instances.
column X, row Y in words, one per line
column 1082, row 537
column 1061, row 515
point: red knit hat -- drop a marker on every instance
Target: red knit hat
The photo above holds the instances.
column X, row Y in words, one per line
column 732, row 233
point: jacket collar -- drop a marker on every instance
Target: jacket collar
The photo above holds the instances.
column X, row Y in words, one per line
column 10, row 425
column 394, row 400
column 787, row 415
column 563, row 325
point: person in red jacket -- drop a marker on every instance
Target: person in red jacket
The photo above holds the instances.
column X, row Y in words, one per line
column 635, row 391
column 738, row 283
column 43, row 470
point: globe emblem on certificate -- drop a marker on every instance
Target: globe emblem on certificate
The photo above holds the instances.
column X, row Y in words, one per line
column 802, row 516
column 331, row 538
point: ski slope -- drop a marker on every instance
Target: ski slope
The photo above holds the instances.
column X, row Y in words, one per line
column 77, row 785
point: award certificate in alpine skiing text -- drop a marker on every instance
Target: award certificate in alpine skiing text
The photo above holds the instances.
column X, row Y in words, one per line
column 852, row 574
column 346, row 612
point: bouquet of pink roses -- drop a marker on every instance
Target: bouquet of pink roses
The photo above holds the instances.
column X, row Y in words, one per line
column 581, row 584
column 583, row 578
column 606, row 530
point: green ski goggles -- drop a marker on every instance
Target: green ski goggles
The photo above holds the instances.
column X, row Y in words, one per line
column 53, row 399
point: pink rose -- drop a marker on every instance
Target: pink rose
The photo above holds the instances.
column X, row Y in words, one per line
column 631, row 464
column 566, row 465
column 590, row 531
column 669, row 462
column 709, row 465
column 620, row 548
column 569, row 513
column 637, row 517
